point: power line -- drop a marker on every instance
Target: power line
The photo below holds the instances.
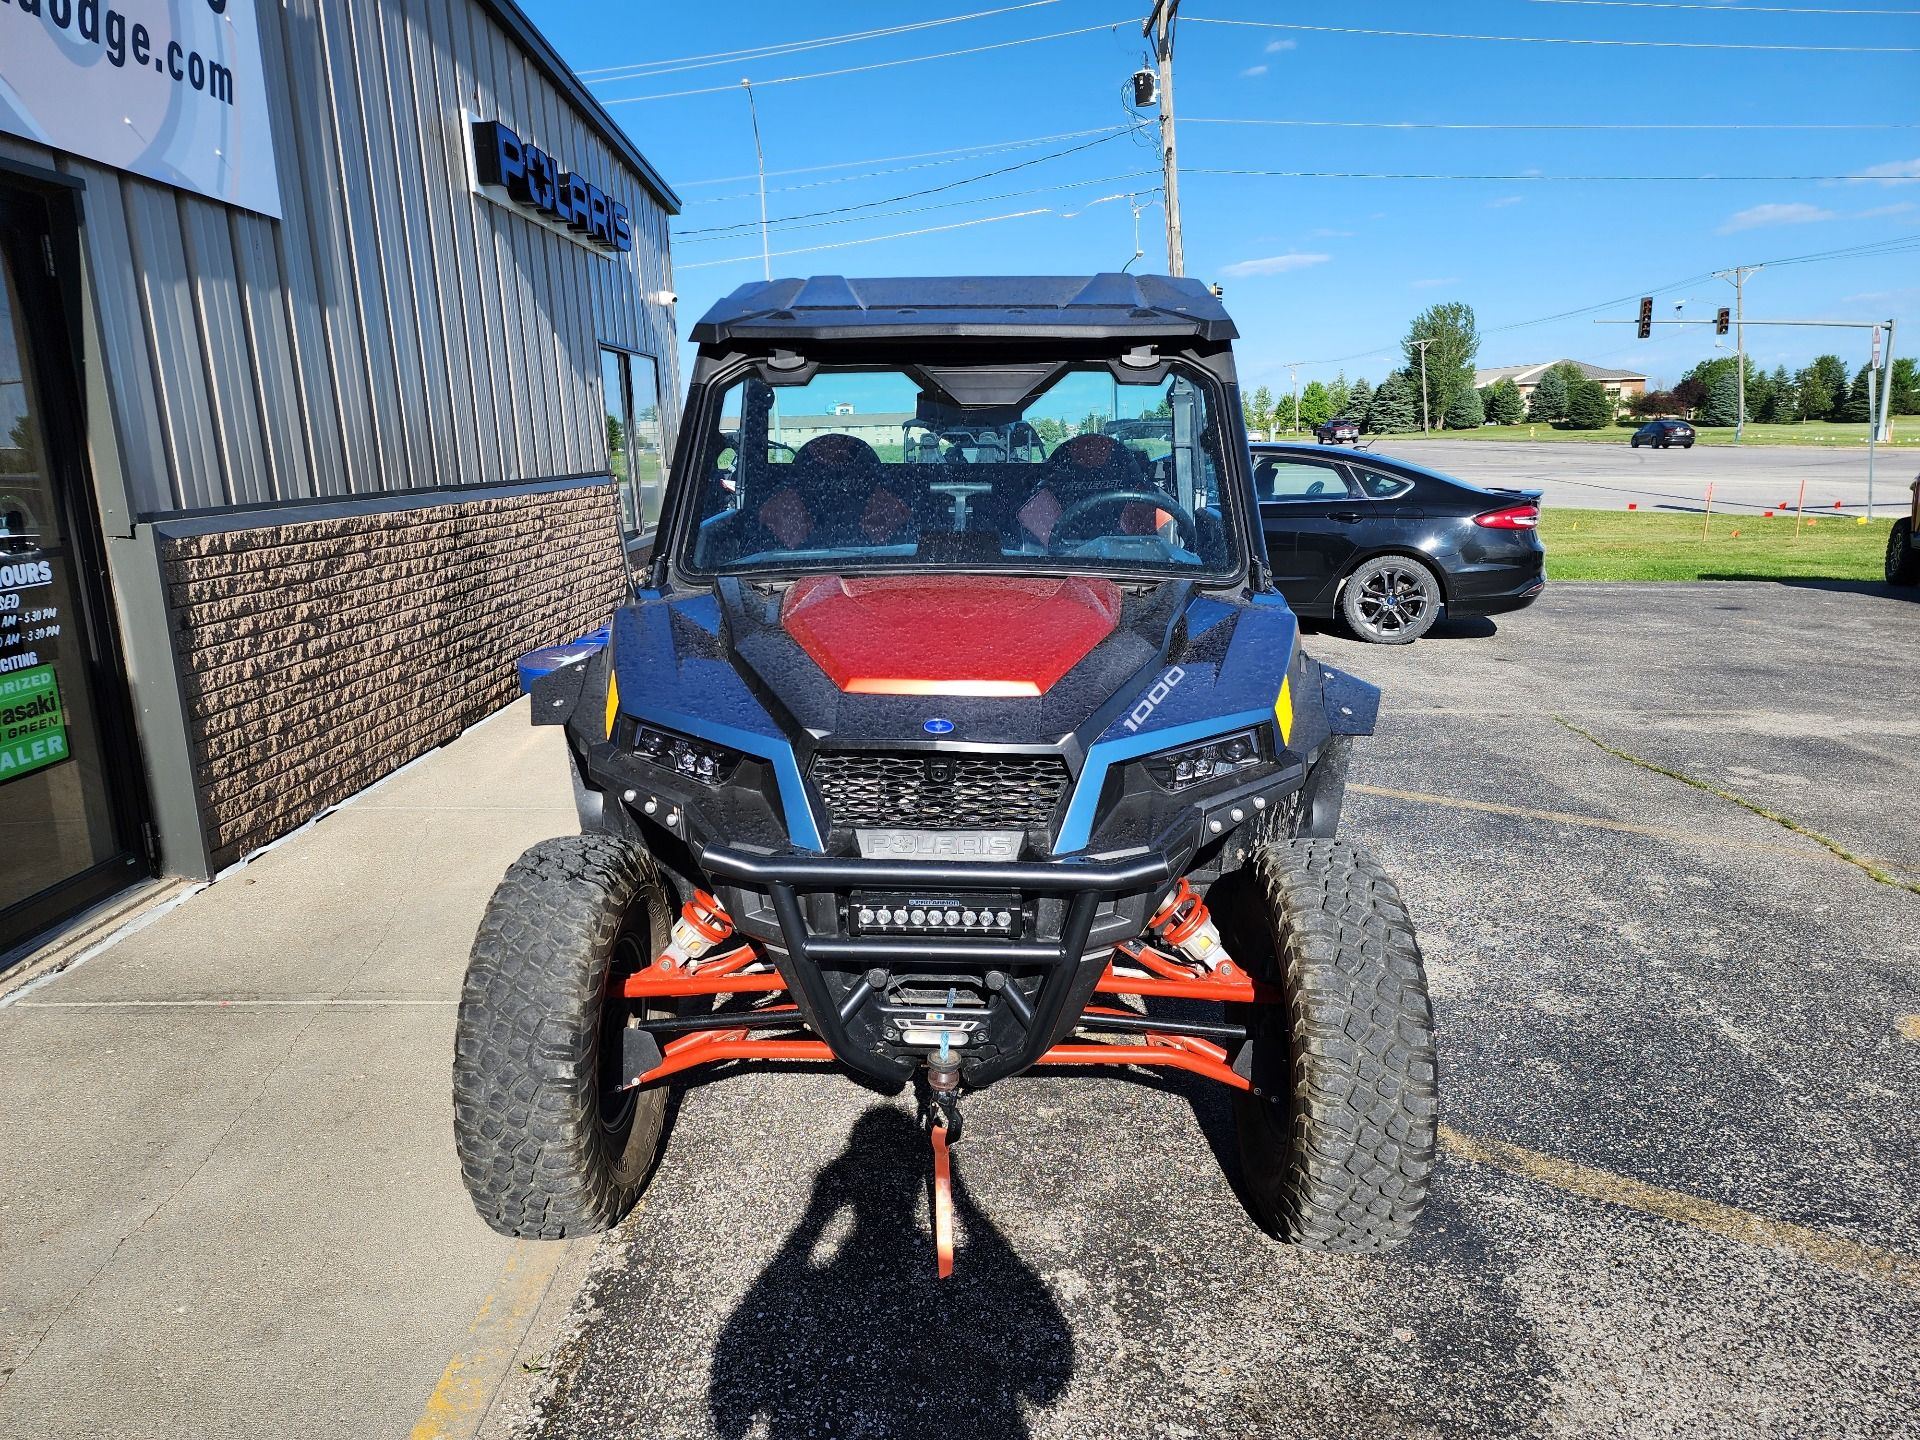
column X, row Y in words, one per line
column 912, row 194
column 1560, row 39
column 861, row 69
column 1515, row 179
column 960, row 151
column 1725, row 9
column 1546, row 125
column 871, row 239
column 1892, row 245
column 646, row 69
column 925, row 209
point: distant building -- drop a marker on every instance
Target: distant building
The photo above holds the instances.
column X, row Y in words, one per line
column 882, row 427
column 1622, row 385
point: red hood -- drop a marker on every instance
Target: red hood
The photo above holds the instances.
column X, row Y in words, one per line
column 949, row 634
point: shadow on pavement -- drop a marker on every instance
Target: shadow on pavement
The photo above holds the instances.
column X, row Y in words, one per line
column 848, row 1331
column 1909, row 593
column 1467, row 627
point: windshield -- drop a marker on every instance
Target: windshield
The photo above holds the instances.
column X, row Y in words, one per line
column 1046, row 465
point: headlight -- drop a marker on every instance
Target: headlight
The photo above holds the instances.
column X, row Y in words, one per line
column 696, row 759
column 1209, row 760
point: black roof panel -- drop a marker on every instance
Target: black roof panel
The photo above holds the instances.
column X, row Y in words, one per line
column 1107, row 306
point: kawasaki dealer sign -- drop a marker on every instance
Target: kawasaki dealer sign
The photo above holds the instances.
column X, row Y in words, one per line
column 168, row 89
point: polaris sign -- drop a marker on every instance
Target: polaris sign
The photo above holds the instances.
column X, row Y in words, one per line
column 508, row 170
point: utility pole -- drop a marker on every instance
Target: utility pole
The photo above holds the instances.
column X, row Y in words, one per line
column 1295, row 369
column 760, row 163
column 1737, row 277
column 1422, row 346
column 1160, row 25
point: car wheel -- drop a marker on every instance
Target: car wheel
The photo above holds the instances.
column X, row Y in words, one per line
column 550, row 1145
column 1903, row 561
column 1336, row 1137
column 1391, row 600
column 1635, row 442
column 1687, row 446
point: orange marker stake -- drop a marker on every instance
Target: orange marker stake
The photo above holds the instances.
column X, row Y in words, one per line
column 942, row 1204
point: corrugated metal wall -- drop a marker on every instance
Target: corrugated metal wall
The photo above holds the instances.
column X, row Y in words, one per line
column 393, row 331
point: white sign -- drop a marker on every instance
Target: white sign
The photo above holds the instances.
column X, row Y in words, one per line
column 169, row 89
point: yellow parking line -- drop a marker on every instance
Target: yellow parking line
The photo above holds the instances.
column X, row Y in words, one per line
column 1795, row 1241
column 459, row 1402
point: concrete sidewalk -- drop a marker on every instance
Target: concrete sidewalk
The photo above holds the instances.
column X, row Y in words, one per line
column 230, row 1204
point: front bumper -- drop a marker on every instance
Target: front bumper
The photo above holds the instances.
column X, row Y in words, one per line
column 1008, row 1000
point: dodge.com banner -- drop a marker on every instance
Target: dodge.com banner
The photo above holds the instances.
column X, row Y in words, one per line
column 169, row 89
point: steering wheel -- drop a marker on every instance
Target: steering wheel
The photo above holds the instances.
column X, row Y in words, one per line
column 1182, row 517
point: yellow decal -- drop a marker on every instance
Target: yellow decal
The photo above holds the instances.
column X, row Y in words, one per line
column 613, row 699
column 1283, row 709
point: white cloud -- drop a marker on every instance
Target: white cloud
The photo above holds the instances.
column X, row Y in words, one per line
column 1503, row 202
column 1756, row 216
column 1278, row 47
column 1894, row 172
column 1273, row 264
column 1433, row 284
column 1252, row 72
column 1905, row 207
column 1332, row 234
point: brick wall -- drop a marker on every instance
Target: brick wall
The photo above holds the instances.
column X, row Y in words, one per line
column 318, row 656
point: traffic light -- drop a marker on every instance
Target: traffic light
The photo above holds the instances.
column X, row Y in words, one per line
column 1646, row 317
column 1721, row 319
column 1146, row 88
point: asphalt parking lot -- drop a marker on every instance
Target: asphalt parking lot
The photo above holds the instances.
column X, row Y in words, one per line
column 1680, row 1064
column 1599, row 476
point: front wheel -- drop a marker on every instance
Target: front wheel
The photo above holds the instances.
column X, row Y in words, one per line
column 550, row 1144
column 1336, row 1138
column 1903, row 562
column 1391, row 600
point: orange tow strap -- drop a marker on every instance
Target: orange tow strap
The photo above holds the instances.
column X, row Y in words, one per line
column 942, row 1203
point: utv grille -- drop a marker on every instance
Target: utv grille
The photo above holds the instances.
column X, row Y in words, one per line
column 941, row 792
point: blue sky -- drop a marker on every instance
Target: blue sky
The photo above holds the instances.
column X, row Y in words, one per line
column 1315, row 269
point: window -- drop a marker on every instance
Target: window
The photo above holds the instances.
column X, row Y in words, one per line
column 1278, row 479
column 636, row 444
column 962, row 466
column 1379, row 485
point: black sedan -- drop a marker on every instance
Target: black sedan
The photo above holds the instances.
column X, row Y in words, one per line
column 1337, row 429
column 1662, row 433
column 1386, row 546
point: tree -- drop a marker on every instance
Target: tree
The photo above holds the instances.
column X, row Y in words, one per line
column 1396, row 406
column 1689, row 395
column 1589, row 407
column 1782, row 407
column 1258, row 410
column 1506, row 406
column 1316, row 406
column 1359, row 399
column 1453, row 345
column 1823, row 387
column 1652, row 403
column 1092, row 423
column 1051, row 430
column 1549, row 401
column 1338, row 394
column 1721, row 409
column 1905, row 385
column 1467, row 411
column 1854, row 407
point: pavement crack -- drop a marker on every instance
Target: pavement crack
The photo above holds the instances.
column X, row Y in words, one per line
column 1786, row 822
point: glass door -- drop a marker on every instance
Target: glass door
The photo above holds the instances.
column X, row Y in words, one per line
column 69, row 784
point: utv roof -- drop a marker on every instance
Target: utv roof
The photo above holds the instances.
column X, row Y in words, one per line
column 1093, row 307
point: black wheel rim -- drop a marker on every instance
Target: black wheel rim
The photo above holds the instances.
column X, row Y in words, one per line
column 1393, row 600
column 615, row 1104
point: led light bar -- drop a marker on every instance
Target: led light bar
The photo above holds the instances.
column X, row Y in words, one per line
column 1197, row 764
column 998, row 916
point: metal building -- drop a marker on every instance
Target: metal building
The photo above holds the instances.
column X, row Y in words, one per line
column 336, row 370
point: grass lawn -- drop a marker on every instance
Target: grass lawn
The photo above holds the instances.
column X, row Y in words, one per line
column 1636, row 545
column 1906, row 432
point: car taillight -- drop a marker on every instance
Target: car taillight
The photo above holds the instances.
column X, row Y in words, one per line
column 1514, row 517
